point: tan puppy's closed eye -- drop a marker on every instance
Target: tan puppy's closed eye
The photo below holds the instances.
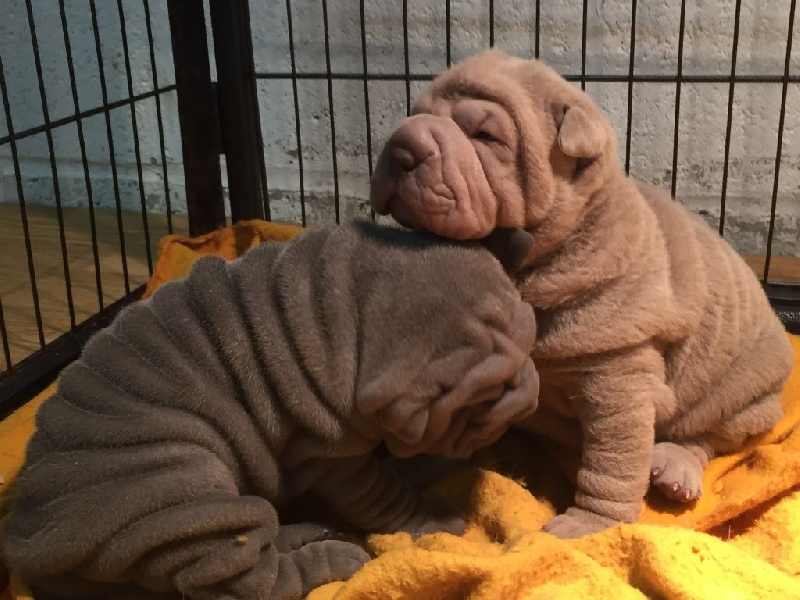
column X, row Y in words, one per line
column 483, row 122
column 655, row 337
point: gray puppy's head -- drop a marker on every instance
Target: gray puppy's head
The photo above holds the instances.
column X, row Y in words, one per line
column 445, row 340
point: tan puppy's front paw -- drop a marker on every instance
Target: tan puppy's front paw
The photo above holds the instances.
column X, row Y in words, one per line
column 676, row 472
column 576, row 522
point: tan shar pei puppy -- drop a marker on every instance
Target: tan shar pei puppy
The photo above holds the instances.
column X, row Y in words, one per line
column 657, row 347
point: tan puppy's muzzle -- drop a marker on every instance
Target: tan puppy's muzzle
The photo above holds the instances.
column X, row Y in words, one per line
column 428, row 177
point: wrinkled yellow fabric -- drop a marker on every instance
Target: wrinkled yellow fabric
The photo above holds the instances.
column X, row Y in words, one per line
column 740, row 540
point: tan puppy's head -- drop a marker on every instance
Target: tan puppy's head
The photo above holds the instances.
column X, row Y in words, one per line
column 445, row 342
column 495, row 141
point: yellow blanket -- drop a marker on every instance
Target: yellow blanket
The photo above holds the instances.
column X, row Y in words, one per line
column 740, row 540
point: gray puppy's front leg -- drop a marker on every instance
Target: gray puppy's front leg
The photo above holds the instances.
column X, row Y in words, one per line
column 316, row 564
column 617, row 417
column 374, row 497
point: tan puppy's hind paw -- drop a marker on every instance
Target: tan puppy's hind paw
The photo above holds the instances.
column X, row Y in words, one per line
column 576, row 522
column 676, row 472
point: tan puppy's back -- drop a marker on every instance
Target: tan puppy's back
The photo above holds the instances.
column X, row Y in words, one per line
column 736, row 334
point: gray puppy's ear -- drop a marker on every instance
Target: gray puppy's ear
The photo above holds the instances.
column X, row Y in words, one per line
column 581, row 134
column 510, row 246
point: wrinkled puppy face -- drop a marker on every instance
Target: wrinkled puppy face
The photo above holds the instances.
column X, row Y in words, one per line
column 448, row 369
column 495, row 141
column 449, row 168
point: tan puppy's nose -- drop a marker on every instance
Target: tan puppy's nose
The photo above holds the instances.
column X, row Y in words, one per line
column 409, row 145
column 404, row 158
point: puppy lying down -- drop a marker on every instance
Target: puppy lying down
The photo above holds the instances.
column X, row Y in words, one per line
column 155, row 470
column 657, row 348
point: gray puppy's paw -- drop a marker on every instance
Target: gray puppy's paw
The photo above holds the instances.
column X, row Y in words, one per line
column 343, row 558
column 438, row 524
column 576, row 522
column 433, row 517
column 295, row 536
column 316, row 564
column 676, row 472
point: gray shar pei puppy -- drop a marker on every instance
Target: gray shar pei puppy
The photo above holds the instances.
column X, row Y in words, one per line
column 155, row 469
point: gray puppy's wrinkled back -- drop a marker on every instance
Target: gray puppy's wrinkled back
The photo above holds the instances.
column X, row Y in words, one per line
column 158, row 461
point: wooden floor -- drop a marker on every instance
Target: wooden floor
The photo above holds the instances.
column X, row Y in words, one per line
column 15, row 282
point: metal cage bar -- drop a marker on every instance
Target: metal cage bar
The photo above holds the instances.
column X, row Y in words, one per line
column 678, row 82
column 584, row 22
column 135, row 134
column 729, row 122
column 159, row 116
column 53, row 165
column 198, row 116
column 4, row 338
column 631, row 68
column 296, row 103
column 779, row 151
column 84, row 158
column 25, row 376
column 447, row 34
column 237, row 99
column 82, row 116
column 22, row 207
column 112, row 156
column 491, row 23
column 406, row 74
column 363, row 29
column 590, row 78
column 331, row 111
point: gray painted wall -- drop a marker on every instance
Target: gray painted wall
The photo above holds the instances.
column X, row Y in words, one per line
column 707, row 50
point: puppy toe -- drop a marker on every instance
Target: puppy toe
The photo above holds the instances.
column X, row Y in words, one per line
column 295, row 536
column 575, row 523
column 346, row 559
column 676, row 472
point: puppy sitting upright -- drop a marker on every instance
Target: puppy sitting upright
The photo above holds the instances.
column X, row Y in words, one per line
column 654, row 336
column 155, row 469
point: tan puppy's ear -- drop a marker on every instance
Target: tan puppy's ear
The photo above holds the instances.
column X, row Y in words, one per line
column 510, row 246
column 581, row 135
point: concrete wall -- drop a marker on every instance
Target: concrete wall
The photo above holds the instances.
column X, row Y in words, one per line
column 707, row 50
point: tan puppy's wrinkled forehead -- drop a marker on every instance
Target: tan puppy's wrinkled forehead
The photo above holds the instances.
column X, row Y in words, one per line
column 518, row 85
column 492, row 75
column 494, row 141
